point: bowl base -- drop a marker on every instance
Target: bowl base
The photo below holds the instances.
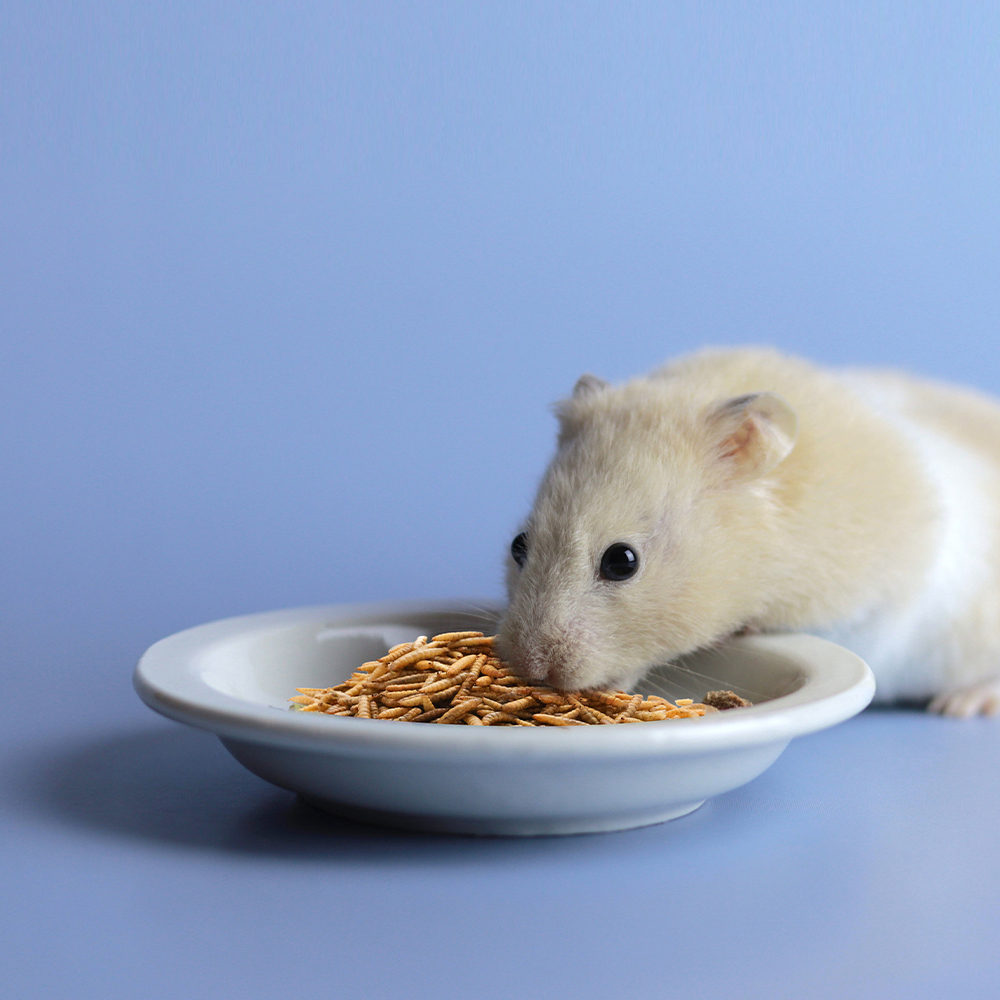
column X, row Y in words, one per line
column 502, row 826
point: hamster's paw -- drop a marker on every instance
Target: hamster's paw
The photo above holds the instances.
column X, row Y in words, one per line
column 981, row 698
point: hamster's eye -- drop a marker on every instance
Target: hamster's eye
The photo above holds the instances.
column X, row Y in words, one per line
column 619, row 562
column 519, row 548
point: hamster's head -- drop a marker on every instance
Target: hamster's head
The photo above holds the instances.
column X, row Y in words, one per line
column 647, row 533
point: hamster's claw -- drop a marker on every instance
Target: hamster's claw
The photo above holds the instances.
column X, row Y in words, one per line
column 982, row 698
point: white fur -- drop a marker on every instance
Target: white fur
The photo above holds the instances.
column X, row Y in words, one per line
column 907, row 647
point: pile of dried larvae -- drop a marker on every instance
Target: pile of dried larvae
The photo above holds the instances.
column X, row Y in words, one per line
column 456, row 678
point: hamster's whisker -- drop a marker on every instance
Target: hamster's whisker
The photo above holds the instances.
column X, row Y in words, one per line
column 748, row 692
column 477, row 612
column 727, row 652
column 669, row 677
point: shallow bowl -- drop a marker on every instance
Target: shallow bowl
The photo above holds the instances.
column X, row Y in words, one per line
column 234, row 678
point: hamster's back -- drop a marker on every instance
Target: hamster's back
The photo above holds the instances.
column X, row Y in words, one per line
column 946, row 639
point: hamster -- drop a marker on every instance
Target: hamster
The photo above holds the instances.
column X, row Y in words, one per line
column 744, row 489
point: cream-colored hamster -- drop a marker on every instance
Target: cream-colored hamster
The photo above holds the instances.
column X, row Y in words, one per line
column 745, row 489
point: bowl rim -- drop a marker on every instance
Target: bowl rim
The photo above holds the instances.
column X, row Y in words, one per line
column 838, row 684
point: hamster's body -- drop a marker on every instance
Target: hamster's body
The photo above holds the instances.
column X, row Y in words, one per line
column 757, row 491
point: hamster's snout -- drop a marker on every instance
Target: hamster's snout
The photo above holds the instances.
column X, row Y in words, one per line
column 532, row 660
column 551, row 659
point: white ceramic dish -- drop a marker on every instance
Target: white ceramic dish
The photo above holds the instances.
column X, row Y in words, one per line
column 234, row 678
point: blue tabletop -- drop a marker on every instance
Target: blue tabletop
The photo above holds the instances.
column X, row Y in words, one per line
column 286, row 296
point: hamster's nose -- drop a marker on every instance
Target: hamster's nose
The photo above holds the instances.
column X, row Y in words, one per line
column 559, row 675
column 555, row 677
column 533, row 667
column 537, row 658
column 549, row 663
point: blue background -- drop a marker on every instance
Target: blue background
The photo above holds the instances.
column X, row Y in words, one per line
column 286, row 294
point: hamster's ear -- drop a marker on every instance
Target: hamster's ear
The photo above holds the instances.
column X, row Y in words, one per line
column 572, row 412
column 752, row 434
column 587, row 385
